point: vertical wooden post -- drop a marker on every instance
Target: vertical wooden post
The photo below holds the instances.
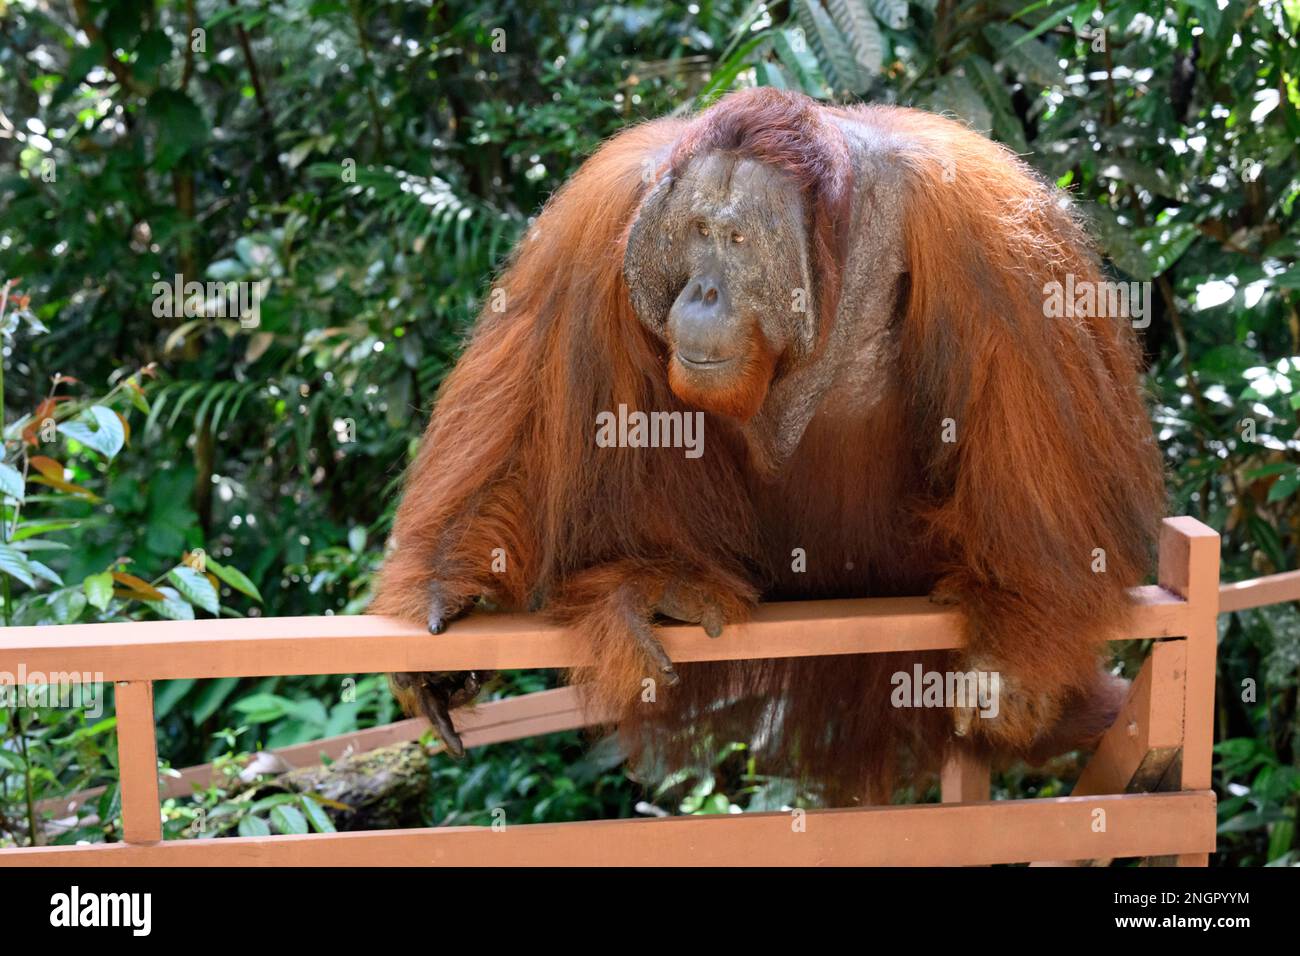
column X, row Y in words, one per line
column 137, row 761
column 965, row 776
column 1189, row 566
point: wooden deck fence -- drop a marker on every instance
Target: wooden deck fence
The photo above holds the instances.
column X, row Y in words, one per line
column 1145, row 793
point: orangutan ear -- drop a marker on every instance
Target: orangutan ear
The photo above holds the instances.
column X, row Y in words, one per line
column 653, row 263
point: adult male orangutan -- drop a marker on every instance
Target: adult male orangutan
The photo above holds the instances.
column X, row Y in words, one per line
column 853, row 298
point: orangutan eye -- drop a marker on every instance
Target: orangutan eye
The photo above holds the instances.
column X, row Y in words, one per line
column 737, row 237
column 704, row 230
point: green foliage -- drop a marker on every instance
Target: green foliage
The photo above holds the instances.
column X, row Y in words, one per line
column 364, row 169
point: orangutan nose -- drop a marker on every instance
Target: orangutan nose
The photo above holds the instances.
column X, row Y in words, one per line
column 699, row 324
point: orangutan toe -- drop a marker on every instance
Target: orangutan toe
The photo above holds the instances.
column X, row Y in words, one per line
column 436, row 695
column 444, row 607
column 691, row 606
column 644, row 635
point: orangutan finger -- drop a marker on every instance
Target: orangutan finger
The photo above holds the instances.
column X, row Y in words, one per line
column 681, row 604
column 444, row 607
column 434, row 705
column 644, row 635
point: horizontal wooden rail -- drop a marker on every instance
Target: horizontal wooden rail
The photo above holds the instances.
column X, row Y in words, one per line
column 492, row 722
column 1273, row 589
column 272, row 646
column 965, row 831
column 967, row 834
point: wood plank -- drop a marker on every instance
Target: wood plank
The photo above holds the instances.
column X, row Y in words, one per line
column 497, row 721
column 1143, row 744
column 365, row 644
column 1138, row 749
column 965, row 777
column 137, row 760
column 930, row 835
column 1272, row 589
column 1189, row 567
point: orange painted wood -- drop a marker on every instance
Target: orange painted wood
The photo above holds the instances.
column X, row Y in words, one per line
column 1148, row 733
column 1179, row 825
column 497, row 721
column 1189, row 567
column 928, row 835
column 264, row 647
column 137, row 760
column 1142, row 745
column 965, row 777
column 1273, row 589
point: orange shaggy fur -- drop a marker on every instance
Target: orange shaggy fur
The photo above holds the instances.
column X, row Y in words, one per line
column 1054, row 456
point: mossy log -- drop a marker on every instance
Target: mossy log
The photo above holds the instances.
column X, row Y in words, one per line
column 381, row 790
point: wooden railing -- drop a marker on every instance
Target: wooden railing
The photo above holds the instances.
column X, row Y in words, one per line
column 1161, row 742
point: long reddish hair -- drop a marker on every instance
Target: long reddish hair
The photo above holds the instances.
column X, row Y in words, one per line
column 1055, row 459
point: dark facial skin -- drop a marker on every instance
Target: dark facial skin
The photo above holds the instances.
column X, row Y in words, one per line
column 728, row 303
column 718, row 266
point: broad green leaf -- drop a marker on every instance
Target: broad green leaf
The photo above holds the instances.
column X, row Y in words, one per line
column 235, row 578
column 14, row 563
column 1006, row 123
column 1268, row 541
column 39, row 544
column 99, row 429
column 309, row 710
column 791, row 47
column 1276, row 468
column 102, row 726
column 770, row 74
column 195, row 587
column 831, row 48
column 863, row 33
column 288, row 820
column 12, row 761
column 40, row 527
column 1284, row 487
column 1119, row 243
column 320, row 820
column 892, row 13
column 1031, row 59
column 251, row 826
column 82, row 62
column 109, row 804
column 99, row 589
column 169, row 693
column 956, row 94
column 11, row 482
column 181, row 125
column 1151, row 178
column 67, row 605
column 275, row 800
column 262, row 708
column 212, row 696
column 153, row 50
column 1165, row 245
column 173, row 606
column 42, row 571
column 1060, row 16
